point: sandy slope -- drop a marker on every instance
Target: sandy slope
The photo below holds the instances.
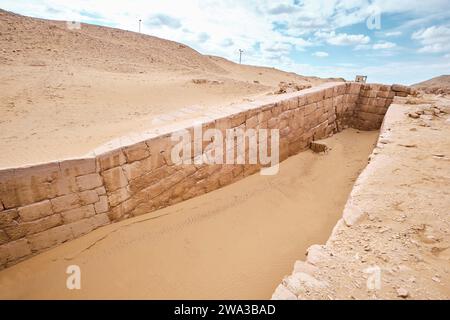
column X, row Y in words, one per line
column 63, row 92
column 236, row 242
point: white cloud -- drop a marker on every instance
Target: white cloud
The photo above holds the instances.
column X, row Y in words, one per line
column 435, row 39
column 393, row 34
column 384, row 45
column 342, row 39
column 320, row 54
column 162, row 20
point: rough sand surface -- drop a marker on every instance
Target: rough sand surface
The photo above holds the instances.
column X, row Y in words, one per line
column 64, row 92
column 404, row 230
column 236, row 242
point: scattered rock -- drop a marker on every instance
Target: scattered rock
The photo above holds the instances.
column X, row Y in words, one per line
column 408, row 145
column 426, row 117
column 413, row 115
column 286, row 87
column 402, row 293
column 436, row 279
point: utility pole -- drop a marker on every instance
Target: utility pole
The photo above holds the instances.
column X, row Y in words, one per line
column 240, row 55
column 140, row 25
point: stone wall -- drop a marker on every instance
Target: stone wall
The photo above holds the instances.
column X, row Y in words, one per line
column 44, row 205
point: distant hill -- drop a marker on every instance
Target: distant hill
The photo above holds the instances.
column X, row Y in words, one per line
column 65, row 90
column 436, row 85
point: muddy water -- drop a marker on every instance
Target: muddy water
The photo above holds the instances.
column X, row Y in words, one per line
column 233, row 243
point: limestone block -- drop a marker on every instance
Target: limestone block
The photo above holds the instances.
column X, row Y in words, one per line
column 137, row 168
column 273, row 123
column 64, row 203
column 114, row 179
column 85, row 226
column 8, row 216
column 352, row 98
column 237, row 119
column 77, row 167
column 23, row 186
column 160, row 150
column 375, row 118
column 111, row 159
column 315, row 96
column 50, row 238
column 101, row 191
column 88, row 197
column 150, row 178
column 102, row 205
column 78, row 214
column 135, row 152
column 123, row 210
column 338, row 100
column 3, row 238
column 79, row 228
column 339, row 90
column 315, row 254
column 310, row 108
column 223, row 123
column 264, row 116
column 144, row 208
column 20, row 230
column 355, row 88
column 288, row 104
column 382, row 94
column 301, row 102
column 278, row 107
column 226, row 177
column 301, row 281
column 118, row 196
column 89, row 181
column 252, row 122
column 100, row 220
column 302, row 266
column 401, row 88
column 328, row 93
column 283, row 293
column 35, row 211
column 13, row 251
column 365, row 108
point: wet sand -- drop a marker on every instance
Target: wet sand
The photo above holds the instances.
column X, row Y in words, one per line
column 234, row 243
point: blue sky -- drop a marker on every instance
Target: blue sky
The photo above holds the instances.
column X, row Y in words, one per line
column 389, row 41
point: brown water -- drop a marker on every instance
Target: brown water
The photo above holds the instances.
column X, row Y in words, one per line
column 234, row 243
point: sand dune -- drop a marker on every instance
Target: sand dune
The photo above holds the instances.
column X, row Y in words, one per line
column 63, row 92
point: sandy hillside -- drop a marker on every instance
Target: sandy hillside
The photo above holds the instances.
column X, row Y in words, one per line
column 63, row 92
column 437, row 85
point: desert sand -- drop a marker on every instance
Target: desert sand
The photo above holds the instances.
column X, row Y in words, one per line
column 64, row 92
column 232, row 243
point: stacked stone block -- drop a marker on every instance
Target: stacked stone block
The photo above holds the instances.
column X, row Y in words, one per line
column 45, row 205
